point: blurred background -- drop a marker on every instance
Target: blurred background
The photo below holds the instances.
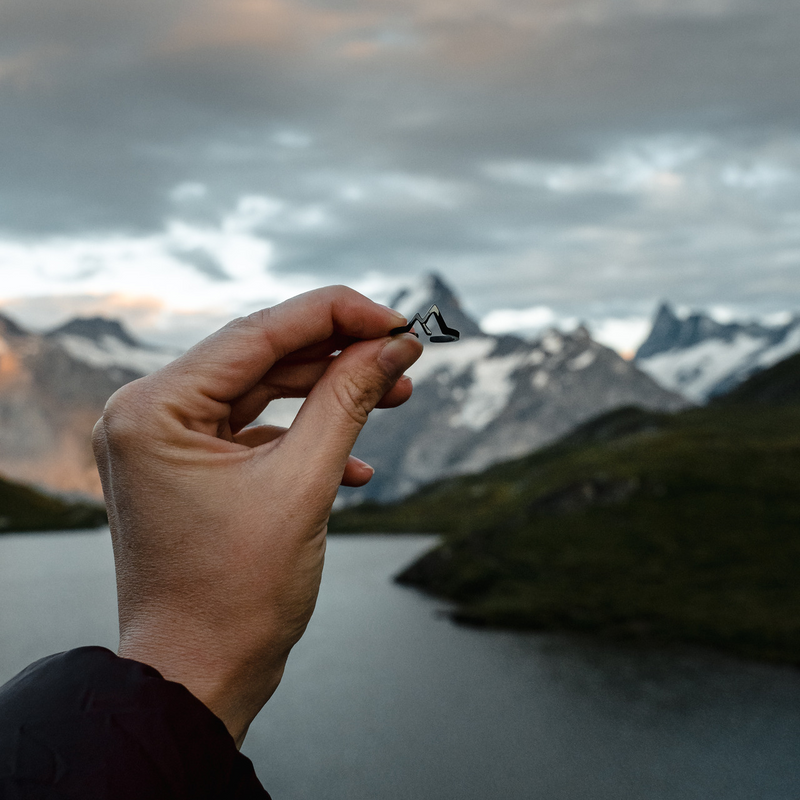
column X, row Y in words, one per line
column 596, row 488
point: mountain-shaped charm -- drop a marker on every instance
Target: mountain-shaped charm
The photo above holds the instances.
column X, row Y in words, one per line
column 447, row 334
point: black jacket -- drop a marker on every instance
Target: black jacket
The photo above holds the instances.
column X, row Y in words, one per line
column 88, row 725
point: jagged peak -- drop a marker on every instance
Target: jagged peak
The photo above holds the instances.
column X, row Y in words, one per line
column 665, row 332
column 581, row 333
column 665, row 312
column 431, row 286
column 95, row 328
column 8, row 327
column 672, row 333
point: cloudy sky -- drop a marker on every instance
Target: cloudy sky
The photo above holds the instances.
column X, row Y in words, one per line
column 176, row 163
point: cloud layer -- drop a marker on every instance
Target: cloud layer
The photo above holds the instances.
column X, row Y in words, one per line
column 590, row 156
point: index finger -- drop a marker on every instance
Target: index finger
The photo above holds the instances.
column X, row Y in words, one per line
column 233, row 360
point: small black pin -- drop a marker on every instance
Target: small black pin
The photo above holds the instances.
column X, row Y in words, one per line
column 447, row 334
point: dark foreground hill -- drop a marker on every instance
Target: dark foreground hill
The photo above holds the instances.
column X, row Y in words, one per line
column 25, row 509
column 680, row 527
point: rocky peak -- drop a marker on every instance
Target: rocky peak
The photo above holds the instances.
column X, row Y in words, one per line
column 702, row 358
column 9, row 328
column 582, row 334
column 663, row 335
column 670, row 332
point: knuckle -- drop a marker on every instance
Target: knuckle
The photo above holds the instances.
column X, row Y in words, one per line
column 260, row 319
column 339, row 294
column 121, row 418
column 236, row 325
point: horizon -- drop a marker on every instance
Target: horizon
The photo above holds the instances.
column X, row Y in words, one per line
column 624, row 335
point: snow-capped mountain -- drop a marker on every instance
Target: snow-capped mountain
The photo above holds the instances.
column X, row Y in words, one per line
column 52, row 390
column 106, row 344
column 477, row 401
column 486, row 399
column 702, row 358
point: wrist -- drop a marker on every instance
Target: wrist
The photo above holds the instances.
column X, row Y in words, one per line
column 232, row 686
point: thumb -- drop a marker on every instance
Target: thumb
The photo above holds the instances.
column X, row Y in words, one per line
column 328, row 424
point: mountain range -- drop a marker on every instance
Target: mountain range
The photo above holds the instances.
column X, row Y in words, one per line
column 486, row 398
column 478, row 401
column 53, row 387
column 701, row 358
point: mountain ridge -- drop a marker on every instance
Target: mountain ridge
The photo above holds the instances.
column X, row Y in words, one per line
column 485, row 399
column 53, row 387
column 96, row 328
column 701, row 358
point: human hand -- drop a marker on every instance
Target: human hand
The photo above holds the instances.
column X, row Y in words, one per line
column 218, row 529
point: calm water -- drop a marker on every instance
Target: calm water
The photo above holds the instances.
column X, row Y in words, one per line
column 384, row 698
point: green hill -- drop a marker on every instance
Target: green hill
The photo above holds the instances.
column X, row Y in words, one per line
column 678, row 527
column 25, row 509
column 779, row 385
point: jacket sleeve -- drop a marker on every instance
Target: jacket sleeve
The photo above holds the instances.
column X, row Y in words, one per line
column 88, row 724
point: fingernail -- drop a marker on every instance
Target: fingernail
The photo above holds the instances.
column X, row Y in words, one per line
column 361, row 463
column 400, row 317
column 399, row 353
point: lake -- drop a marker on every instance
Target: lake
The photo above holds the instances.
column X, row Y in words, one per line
column 385, row 698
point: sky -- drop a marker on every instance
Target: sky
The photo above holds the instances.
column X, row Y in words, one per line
column 176, row 164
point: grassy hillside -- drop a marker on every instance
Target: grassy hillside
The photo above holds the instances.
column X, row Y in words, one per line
column 779, row 385
column 683, row 527
column 25, row 509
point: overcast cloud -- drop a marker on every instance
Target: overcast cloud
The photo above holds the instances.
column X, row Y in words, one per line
column 577, row 158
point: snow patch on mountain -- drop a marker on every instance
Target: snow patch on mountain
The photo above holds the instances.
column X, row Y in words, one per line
column 539, row 380
column 108, row 352
column 452, row 359
column 489, row 392
column 553, row 342
column 696, row 371
column 584, row 360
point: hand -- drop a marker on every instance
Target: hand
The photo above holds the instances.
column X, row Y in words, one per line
column 218, row 529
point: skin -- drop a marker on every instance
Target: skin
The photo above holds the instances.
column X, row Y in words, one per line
column 218, row 529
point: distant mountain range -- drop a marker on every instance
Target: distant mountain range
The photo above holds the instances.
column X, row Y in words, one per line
column 701, row 358
column 476, row 402
column 489, row 398
column 53, row 387
column 106, row 344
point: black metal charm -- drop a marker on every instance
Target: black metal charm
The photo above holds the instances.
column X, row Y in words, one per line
column 447, row 335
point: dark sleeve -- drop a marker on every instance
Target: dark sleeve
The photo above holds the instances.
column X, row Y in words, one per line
column 88, row 725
